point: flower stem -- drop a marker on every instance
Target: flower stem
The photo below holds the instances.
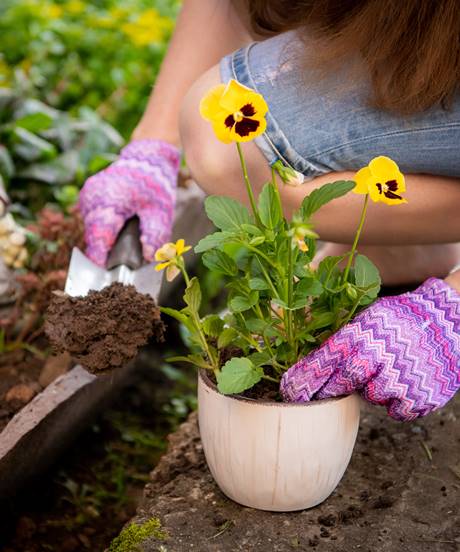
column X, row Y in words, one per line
column 355, row 243
column 248, row 183
column 275, row 185
column 181, row 265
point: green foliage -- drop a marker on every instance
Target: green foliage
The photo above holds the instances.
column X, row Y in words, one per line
column 323, row 195
column 279, row 308
column 237, row 375
column 103, row 54
column 133, row 535
column 46, row 154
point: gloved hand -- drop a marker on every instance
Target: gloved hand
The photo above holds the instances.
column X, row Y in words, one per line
column 402, row 352
column 141, row 182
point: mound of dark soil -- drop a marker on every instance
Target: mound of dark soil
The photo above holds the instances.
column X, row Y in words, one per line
column 103, row 330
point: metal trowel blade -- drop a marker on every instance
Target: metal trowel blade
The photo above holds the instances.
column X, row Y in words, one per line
column 84, row 276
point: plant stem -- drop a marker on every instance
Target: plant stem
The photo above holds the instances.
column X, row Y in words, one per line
column 267, row 278
column 197, row 323
column 289, row 295
column 182, row 268
column 269, row 378
column 258, row 252
column 248, row 183
column 275, row 185
column 355, row 243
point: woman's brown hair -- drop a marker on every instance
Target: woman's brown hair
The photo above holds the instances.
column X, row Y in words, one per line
column 411, row 48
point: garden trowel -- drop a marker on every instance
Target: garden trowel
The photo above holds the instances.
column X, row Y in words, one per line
column 125, row 265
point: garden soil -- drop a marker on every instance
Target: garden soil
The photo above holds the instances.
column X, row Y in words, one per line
column 104, row 329
column 400, row 493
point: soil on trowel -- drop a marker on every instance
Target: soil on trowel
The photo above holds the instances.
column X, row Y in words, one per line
column 104, row 329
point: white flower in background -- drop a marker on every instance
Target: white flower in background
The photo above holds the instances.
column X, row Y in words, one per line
column 13, row 249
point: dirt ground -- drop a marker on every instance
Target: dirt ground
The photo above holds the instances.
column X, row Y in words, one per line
column 400, row 493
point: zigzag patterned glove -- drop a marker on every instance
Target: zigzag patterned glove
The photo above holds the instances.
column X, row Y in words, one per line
column 402, row 352
column 141, row 182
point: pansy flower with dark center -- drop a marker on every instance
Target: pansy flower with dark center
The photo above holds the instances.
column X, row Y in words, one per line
column 382, row 180
column 237, row 113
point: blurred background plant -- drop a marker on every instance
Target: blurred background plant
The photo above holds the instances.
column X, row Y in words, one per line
column 101, row 54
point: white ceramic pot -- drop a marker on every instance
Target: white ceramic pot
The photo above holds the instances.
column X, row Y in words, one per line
column 276, row 456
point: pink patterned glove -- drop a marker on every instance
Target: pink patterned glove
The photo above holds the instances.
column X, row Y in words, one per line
column 141, row 182
column 402, row 352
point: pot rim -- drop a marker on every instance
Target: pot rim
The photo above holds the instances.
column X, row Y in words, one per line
column 202, row 374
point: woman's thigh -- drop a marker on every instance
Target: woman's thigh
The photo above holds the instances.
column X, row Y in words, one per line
column 325, row 124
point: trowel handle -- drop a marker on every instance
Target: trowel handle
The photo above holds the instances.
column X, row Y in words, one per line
column 127, row 249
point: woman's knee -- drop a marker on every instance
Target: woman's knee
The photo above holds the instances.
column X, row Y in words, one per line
column 204, row 155
column 215, row 166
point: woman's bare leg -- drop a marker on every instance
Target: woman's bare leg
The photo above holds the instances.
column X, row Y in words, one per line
column 429, row 217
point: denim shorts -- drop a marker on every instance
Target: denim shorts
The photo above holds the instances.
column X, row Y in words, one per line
column 327, row 124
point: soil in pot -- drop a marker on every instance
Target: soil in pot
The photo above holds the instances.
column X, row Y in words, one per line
column 104, row 329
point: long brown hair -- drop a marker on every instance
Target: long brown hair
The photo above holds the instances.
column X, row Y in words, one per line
column 411, row 48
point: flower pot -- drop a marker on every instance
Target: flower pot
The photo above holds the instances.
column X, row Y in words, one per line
column 276, row 456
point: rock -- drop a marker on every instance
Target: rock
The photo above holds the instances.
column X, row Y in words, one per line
column 54, row 367
column 22, row 392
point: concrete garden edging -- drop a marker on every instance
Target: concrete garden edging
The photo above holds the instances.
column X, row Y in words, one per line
column 41, row 430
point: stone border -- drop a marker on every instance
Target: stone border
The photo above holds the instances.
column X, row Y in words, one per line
column 42, row 429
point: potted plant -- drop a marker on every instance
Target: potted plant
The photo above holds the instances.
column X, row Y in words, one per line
column 262, row 452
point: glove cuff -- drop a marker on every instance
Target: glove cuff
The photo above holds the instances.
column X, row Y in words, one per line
column 150, row 150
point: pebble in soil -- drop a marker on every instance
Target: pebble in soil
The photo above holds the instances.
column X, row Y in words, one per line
column 104, row 329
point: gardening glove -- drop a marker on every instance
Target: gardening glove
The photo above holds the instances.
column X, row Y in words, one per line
column 141, row 182
column 402, row 352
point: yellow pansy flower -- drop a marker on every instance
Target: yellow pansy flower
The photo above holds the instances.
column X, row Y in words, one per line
column 168, row 256
column 382, row 180
column 236, row 112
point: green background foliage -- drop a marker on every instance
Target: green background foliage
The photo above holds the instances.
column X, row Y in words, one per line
column 75, row 76
column 103, row 54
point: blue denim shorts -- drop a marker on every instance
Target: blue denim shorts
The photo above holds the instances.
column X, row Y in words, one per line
column 327, row 124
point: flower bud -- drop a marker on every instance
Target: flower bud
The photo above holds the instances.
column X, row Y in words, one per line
column 288, row 175
column 351, row 292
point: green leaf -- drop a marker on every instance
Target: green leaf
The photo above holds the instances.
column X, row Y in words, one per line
column 259, row 359
column 181, row 317
column 62, row 169
column 192, row 295
column 6, row 163
column 257, row 326
column 237, row 375
column 328, row 270
column 258, row 283
column 320, row 320
column 367, row 275
column 30, row 147
column 252, row 230
column 216, row 239
column 226, row 213
column 226, row 337
column 34, row 122
column 196, row 360
column 241, row 304
column 323, row 195
column 218, row 261
column 212, row 325
column 269, row 208
column 308, row 286
column 257, row 241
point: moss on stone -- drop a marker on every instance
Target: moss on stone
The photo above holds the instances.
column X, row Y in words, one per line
column 133, row 535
